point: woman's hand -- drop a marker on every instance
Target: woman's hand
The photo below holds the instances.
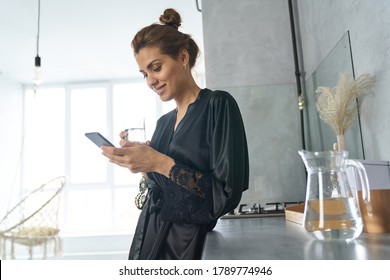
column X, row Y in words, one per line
column 123, row 135
column 139, row 158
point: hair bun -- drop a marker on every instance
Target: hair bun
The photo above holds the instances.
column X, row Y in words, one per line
column 171, row 17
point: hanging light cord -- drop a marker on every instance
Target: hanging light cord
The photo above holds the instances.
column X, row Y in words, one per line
column 37, row 61
column 39, row 19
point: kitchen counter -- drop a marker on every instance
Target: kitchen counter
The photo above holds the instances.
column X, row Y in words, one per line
column 274, row 238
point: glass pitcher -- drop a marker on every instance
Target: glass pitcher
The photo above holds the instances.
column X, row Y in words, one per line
column 331, row 205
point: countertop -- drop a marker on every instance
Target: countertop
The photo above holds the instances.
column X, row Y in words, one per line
column 274, row 238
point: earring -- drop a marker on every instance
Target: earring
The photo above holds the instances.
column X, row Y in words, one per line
column 185, row 66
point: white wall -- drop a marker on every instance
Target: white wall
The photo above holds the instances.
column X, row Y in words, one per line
column 322, row 24
column 11, row 118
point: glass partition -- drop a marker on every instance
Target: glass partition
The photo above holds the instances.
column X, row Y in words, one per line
column 318, row 135
column 272, row 123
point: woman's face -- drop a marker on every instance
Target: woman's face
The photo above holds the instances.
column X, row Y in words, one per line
column 163, row 74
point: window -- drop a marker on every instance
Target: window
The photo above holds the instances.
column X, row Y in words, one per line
column 98, row 196
column 87, row 113
column 44, row 136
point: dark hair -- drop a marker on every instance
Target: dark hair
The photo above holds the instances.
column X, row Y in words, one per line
column 166, row 37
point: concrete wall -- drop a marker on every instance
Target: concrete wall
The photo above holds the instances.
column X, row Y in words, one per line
column 322, row 24
column 248, row 51
column 247, row 43
column 11, row 120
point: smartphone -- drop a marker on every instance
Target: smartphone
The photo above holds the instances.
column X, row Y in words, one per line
column 98, row 139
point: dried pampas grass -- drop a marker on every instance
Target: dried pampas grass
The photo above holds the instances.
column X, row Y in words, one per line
column 338, row 106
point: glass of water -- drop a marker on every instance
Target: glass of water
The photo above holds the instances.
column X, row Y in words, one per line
column 136, row 134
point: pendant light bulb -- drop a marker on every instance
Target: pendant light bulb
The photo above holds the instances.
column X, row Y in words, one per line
column 37, row 80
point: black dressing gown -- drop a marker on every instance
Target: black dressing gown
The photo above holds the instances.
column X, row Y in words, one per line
column 211, row 171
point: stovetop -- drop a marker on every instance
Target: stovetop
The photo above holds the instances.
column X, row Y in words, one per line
column 272, row 209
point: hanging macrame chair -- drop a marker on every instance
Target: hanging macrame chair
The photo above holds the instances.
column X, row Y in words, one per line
column 34, row 221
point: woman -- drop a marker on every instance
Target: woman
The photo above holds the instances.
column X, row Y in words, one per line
column 197, row 160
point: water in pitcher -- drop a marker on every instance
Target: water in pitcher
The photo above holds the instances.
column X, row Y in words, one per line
column 331, row 208
column 333, row 219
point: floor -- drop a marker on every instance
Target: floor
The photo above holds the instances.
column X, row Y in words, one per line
column 87, row 247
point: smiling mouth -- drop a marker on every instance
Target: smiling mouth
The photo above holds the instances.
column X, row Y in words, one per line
column 159, row 90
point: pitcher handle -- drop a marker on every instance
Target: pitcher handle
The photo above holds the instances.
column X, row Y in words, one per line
column 362, row 175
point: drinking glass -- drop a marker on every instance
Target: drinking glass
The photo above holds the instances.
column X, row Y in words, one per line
column 136, row 134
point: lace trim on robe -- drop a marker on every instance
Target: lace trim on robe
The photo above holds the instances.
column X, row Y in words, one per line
column 187, row 198
column 189, row 179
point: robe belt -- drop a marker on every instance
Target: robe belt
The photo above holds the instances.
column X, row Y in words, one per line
column 155, row 193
